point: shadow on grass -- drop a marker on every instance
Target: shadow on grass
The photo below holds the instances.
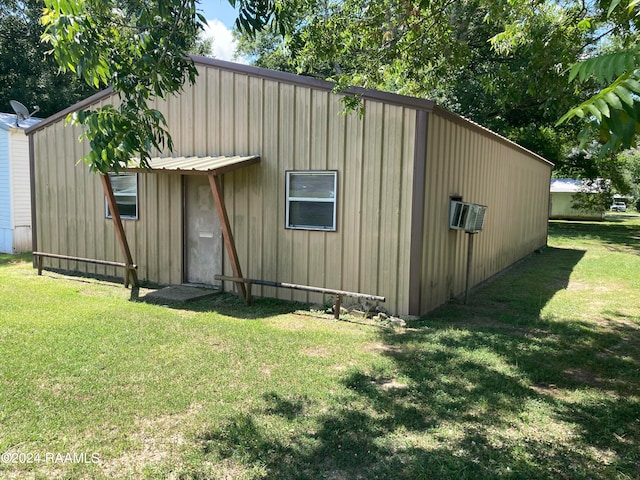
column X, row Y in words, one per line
column 485, row 390
column 233, row 305
column 612, row 233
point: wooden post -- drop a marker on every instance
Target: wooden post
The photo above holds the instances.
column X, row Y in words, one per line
column 40, row 260
column 248, row 287
column 122, row 238
column 229, row 242
column 337, row 306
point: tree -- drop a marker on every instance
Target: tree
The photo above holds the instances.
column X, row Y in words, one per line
column 437, row 49
column 139, row 49
column 630, row 161
column 27, row 74
column 612, row 113
column 517, row 91
column 456, row 53
column 264, row 49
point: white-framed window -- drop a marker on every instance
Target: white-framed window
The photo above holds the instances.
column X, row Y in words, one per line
column 125, row 191
column 311, row 199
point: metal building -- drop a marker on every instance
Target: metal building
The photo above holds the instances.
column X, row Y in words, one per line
column 312, row 196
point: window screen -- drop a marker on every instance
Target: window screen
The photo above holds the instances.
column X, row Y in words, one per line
column 311, row 200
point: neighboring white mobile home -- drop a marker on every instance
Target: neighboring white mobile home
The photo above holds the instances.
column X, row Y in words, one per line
column 562, row 192
column 15, row 192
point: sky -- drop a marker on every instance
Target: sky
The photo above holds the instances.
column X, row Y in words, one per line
column 220, row 16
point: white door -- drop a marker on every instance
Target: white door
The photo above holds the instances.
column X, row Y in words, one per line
column 204, row 235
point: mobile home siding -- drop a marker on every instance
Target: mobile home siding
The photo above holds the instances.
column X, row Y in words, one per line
column 15, row 188
column 71, row 219
column 20, row 170
column 21, row 193
column 466, row 160
column 6, row 223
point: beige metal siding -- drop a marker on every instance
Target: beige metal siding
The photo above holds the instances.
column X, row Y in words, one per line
column 71, row 219
column 291, row 127
column 295, row 127
column 466, row 160
column 298, row 125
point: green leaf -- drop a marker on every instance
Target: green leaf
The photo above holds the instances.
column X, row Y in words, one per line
column 624, row 94
column 594, row 111
column 602, row 106
column 605, row 67
column 632, row 84
column 584, row 24
column 612, row 99
column 612, row 6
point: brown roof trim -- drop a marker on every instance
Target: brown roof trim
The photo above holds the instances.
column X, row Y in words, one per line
column 96, row 97
column 443, row 112
column 258, row 72
column 310, row 82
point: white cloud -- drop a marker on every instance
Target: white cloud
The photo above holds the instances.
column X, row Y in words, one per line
column 224, row 45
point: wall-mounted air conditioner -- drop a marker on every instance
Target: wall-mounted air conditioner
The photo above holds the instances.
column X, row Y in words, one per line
column 466, row 216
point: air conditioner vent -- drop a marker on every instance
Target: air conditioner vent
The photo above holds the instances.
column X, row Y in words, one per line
column 466, row 216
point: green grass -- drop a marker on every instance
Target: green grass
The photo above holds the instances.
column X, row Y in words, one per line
column 538, row 376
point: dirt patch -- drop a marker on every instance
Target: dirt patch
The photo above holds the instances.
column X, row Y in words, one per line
column 390, row 384
column 161, row 440
column 384, row 348
column 585, row 377
column 576, row 286
column 549, row 390
column 318, row 351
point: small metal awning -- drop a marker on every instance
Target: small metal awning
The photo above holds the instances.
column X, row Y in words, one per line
column 206, row 165
column 212, row 166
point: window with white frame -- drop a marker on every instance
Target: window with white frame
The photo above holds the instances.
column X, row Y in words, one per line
column 125, row 191
column 311, row 200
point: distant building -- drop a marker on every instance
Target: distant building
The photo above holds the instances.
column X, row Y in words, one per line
column 561, row 208
column 15, row 192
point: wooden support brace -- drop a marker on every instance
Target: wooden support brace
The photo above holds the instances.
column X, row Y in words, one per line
column 229, row 242
column 40, row 260
column 122, row 237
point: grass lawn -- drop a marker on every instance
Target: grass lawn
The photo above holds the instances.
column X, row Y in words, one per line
column 538, row 376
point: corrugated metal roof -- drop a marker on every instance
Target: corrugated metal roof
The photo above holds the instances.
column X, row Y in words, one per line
column 196, row 165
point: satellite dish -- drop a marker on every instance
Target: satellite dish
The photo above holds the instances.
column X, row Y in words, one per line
column 22, row 112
